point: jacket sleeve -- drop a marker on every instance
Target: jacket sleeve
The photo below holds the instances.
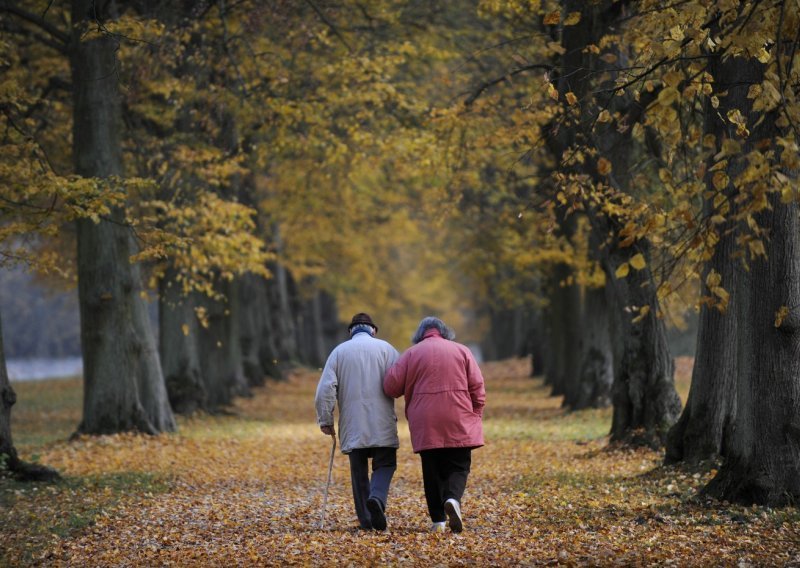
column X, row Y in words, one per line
column 394, row 383
column 325, row 399
column 475, row 384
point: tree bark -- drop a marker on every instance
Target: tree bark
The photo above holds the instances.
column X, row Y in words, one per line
column 9, row 459
column 220, row 347
column 763, row 462
column 253, row 303
column 178, row 346
column 282, row 311
column 123, row 385
column 566, row 335
column 762, row 450
column 597, row 364
column 643, row 394
column 706, row 424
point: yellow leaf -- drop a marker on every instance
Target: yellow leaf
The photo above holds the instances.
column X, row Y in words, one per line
column 185, row 329
column 720, row 180
column 552, row 91
column 603, row 167
column 757, row 248
column 604, row 116
column 638, row 261
column 713, row 279
column 643, row 311
column 571, row 98
column 780, row 315
column 572, row 19
column 668, row 96
column 622, row 270
column 552, row 18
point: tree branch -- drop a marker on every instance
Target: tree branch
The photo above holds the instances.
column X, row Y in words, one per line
column 328, row 23
column 481, row 88
column 58, row 34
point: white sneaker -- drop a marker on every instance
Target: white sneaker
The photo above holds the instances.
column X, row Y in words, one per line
column 453, row 510
column 437, row 527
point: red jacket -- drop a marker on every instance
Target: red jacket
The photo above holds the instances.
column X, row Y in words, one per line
column 444, row 393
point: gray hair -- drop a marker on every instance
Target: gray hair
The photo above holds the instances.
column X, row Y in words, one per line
column 431, row 322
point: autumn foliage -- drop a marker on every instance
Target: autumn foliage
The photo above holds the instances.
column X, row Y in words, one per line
column 246, row 489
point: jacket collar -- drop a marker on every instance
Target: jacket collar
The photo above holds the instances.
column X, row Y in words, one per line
column 432, row 332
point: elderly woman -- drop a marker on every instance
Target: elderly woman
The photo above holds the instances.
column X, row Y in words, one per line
column 444, row 394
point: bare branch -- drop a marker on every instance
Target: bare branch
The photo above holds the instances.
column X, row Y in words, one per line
column 38, row 21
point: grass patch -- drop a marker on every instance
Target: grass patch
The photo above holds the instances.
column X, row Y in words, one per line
column 35, row 515
column 46, row 411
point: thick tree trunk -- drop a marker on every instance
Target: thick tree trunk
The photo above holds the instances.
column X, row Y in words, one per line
column 564, row 334
column 646, row 404
column 597, row 364
column 565, row 297
column 762, row 452
column 253, row 304
column 220, row 347
column 123, row 385
column 9, row 459
column 178, row 346
column 762, row 464
column 707, row 421
column 705, row 426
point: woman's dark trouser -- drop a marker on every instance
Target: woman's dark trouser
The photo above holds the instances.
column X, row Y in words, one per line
column 444, row 474
column 384, row 464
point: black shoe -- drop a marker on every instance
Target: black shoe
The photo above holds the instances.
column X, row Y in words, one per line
column 376, row 513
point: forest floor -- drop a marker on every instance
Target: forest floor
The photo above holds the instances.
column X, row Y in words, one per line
column 246, row 488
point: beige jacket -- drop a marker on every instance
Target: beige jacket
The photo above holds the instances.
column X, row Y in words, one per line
column 353, row 377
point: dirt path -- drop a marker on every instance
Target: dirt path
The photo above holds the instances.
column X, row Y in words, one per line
column 247, row 490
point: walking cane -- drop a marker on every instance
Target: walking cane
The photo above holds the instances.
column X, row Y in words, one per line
column 328, row 483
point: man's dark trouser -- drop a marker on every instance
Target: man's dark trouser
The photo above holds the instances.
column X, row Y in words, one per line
column 444, row 474
column 384, row 464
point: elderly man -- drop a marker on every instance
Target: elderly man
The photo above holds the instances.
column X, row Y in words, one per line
column 353, row 377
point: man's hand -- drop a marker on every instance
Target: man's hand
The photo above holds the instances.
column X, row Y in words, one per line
column 328, row 430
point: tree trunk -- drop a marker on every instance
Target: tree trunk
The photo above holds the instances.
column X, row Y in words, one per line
column 763, row 462
column 564, row 334
column 706, row 424
column 309, row 332
column 645, row 402
column 597, row 364
column 9, row 459
column 123, row 385
column 762, row 452
column 220, row 347
column 253, row 303
column 707, row 421
column 178, row 346
column 282, row 312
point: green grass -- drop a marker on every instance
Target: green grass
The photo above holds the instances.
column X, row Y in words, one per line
column 46, row 411
column 44, row 512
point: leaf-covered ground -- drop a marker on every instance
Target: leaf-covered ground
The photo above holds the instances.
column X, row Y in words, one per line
column 246, row 489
